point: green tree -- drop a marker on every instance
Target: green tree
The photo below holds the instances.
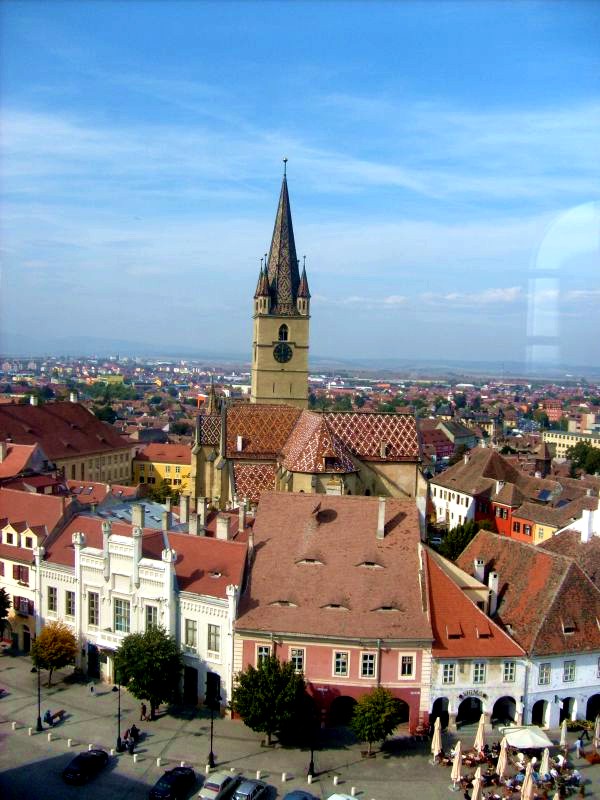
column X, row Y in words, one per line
column 455, row 541
column 105, row 413
column 161, row 491
column 269, row 697
column 54, row 648
column 584, row 456
column 375, row 717
column 460, row 400
column 181, row 428
column 343, row 403
column 4, row 609
column 149, row 664
column 360, row 400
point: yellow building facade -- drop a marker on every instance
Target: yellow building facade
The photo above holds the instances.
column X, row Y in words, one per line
column 170, row 463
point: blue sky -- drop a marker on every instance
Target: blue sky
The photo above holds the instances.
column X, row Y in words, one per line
column 443, row 172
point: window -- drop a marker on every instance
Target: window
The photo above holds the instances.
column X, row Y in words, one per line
column 527, row 530
column 191, row 633
column 177, row 470
column 20, row 573
column 214, row 639
column 568, row 671
column 262, row 651
column 29, row 542
column 142, row 467
column 151, row 617
column 52, row 598
column 340, row 663
column 508, row 672
column 70, row 604
column 479, row 672
column 516, row 527
column 93, row 608
column 297, row 658
column 167, row 469
column 122, row 615
column 544, row 674
column 407, row 666
column 367, row 665
column 283, row 333
column 448, row 673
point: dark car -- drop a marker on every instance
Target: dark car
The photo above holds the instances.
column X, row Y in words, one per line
column 85, row 765
column 175, row 784
column 299, row 794
column 250, row 790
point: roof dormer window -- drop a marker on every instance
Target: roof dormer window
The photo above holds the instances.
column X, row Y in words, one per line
column 371, row 565
column 335, row 607
column 568, row 626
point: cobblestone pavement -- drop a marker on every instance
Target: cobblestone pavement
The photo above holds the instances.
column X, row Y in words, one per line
column 30, row 766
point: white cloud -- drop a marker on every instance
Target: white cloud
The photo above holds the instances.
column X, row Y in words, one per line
column 510, row 294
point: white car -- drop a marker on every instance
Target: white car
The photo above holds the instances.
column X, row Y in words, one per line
column 341, row 797
column 219, row 785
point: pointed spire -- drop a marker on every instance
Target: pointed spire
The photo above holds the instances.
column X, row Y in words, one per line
column 212, row 402
column 303, row 288
column 262, row 286
column 282, row 269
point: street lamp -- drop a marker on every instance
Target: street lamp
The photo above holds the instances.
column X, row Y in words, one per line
column 38, row 725
column 118, row 689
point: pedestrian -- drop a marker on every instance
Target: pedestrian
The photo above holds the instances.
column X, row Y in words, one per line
column 130, row 746
column 92, row 688
column 585, row 734
column 143, row 713
column 578, row 747
column 48, row 718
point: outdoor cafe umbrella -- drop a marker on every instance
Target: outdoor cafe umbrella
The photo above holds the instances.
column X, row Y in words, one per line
column 527, row 787
column 502, row 758
column 479, row 736
column 477, row 793
column 563, row 733
column 545, row 765
column 436, row 739
column 456, row 765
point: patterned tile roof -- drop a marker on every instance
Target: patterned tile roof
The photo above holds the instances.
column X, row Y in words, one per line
column 209, row 429
column 253, row 479
column 264, row 429
column 311, row 441
column 364, row 433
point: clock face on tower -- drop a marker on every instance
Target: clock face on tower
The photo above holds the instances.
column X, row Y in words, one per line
column 282, row 352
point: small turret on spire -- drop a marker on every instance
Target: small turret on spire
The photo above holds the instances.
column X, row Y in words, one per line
column 303, row 286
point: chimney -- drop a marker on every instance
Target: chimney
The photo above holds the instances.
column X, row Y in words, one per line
column 137, row 534
column 166, row 520
column 242, row 516
column 493, row 585
column 202, row 510
column 196, row 528
column 479, row 569
column 184, row 508
column 3, row 451
column 587, row 528
column 106, row 530
column 72, row 397
column 239, row 443
column 381, row 518
column 466, row 458
column 250, row 544
column 138, row 515
column 499, row 486
column 222, row 527
column 168, row 503
column 382, row 449
column 33, row 401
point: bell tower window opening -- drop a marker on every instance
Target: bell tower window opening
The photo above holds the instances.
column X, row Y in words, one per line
column 283, row 333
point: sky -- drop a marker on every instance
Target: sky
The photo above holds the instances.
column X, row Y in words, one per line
column 443, row 174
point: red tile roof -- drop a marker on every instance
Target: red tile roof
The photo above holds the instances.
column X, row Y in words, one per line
column 311, row 441
column 320, row 570
column 16, row 459
column 586, row 554
column 538, row 590
column 166, row 454
column 451, row 608
column 34, row 509
column 63, row 430
column 204, row 565
column 363, row 434
column 264, row 429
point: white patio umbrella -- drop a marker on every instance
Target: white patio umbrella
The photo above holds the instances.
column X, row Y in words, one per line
column 502, row 758
column 545, row 765
column 527, row 787
column 563, row 733
column 456, row 766
column 480, row 735
column 477, row 793
column 596, row 740
column 436, row 739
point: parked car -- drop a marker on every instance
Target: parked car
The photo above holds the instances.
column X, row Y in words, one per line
column 175, row 784
column 250, row 790
column 219, row 785
column 85, row 765
column 300, row 794
column 340, row 797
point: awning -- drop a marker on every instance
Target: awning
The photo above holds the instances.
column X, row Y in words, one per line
column 526, row 737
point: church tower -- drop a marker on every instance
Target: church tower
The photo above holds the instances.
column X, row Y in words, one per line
column 281, row 317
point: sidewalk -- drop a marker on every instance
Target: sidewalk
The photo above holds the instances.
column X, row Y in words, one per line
column 91, row 718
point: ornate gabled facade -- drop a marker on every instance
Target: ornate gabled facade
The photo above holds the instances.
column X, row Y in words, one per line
column 281, row 318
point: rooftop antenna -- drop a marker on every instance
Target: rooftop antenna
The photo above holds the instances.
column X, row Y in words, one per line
column 285, row 167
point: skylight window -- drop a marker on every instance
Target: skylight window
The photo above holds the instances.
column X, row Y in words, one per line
column 371, row 565
column 335, row 607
